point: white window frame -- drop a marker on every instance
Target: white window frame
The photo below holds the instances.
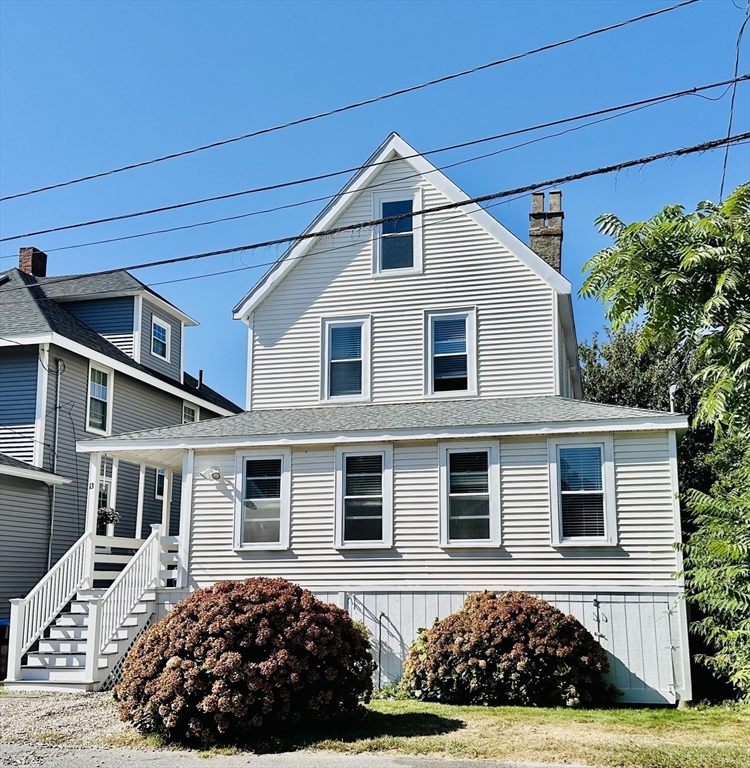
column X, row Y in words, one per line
column 193, row 407
column 157, row 472
column 605, row 443
column 493, row 473
column 285, row 513
column 392, row 196
column 470, row 314
column 365, row 322
column 386, row 451
column 156, row 320
column 110, row 399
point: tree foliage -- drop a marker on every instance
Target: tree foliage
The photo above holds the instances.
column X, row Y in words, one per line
column 717, row 563
column 685, row 277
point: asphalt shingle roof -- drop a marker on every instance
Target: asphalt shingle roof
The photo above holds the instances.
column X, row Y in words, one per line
column 34, row 310
column 436, row 415
column 9, row 461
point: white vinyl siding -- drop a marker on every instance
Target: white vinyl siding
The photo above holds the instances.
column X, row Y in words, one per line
column 515, row 350
column 643, row 559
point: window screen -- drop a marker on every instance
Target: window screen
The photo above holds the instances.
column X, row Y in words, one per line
column 363, row 498
column 397, row 237
column 449, row 356
column 581, row 492
column 345, row 360
column 468, row 496
column 98, row 399
column 261, row 520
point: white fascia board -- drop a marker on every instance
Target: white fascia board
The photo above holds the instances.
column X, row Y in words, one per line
column 170, row 309
column 567, row 320
column 31, row 474
column 395, row 145
column 656, row 423
column 116, row 365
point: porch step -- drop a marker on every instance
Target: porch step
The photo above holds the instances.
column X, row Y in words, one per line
column 64, row 645
column 77, row 633
column 60, row 661
column 61, row 686
column 53, row 674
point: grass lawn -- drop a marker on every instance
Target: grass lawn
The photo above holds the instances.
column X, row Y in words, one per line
column 703, row 737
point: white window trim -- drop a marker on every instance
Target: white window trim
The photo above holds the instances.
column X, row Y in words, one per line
column 163, row 472
column 110, row 399
column 365, row 321
column 285, row 454
column 604, row 442
column 493, row 471
column 194, row 407
column 156, row 320
column 386, row 451
column 390, row 196
column 471, row 352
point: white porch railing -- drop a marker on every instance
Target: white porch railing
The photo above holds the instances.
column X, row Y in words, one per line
column 107, row 613
column 31, row 615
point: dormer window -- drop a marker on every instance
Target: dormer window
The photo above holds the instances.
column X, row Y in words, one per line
column 160, row 338
column 397, row 243
column 346, row 359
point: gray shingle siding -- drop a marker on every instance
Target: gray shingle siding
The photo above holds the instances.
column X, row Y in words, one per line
column 19, row 367
column 24, row 531
column 105, row 316
column 173, row 368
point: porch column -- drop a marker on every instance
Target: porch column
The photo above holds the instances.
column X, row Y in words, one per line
column 139, row 507
column 166, row 504
column 92, row 492
column 186, row 511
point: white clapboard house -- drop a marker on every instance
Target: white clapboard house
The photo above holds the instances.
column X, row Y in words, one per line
column 414, row 432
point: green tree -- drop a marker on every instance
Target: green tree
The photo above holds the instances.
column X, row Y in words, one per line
column 685, row 277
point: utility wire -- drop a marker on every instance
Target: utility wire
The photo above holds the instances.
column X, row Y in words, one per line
column 620, row 110
column 332, row 174
column 731, row 102
column 356, row 105
column 308, row 235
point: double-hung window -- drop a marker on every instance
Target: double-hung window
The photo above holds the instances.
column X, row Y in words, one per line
column 263, row 485
column 160, row 480
column 469, row 494
column 346, row 359
column 397, row 245
column 99, row 407
column 160, row 338
column 364, row 497
column 451, row 352
column 189, row 413
column 582, row 491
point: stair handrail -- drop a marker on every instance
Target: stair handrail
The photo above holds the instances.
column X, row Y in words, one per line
column 54, row 591
column 126, row 591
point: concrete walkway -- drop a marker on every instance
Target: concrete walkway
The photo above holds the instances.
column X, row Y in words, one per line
column 12, row 756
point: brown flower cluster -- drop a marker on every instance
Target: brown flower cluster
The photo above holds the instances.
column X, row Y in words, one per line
column 242, row 656
column 509, row 648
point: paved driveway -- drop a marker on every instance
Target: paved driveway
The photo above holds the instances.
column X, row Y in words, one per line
column 13, row 756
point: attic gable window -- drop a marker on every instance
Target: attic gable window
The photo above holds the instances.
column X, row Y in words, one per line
column 451, row 353
column 397, row 246
column 189, row 413
column 582, row 492
column 346, row 359
column 160, row 338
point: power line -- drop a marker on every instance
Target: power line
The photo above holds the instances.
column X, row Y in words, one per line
column 332, row 174
column 621, row 110
column 356, row 105
column 731, row 102
column 703, row 147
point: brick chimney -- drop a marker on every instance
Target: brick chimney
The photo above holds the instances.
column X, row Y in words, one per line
column 546, row 228
column 32, row 261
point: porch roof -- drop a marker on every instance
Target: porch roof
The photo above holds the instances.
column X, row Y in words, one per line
column 394, row 421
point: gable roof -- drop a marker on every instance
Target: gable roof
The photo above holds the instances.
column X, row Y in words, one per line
column 32, row 312
column 395, row 148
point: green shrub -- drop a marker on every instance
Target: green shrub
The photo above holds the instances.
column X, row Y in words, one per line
column 508, row 648
column 242, row 656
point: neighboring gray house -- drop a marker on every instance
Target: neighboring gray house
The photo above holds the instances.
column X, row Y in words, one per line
column 84, row 356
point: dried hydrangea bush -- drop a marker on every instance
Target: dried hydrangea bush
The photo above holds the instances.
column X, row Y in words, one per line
column 241, row 658
column 509, row 648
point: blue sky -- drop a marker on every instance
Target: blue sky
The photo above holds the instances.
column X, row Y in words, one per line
column 87, row 86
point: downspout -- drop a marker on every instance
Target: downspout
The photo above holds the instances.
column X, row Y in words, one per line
column 60, row 367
